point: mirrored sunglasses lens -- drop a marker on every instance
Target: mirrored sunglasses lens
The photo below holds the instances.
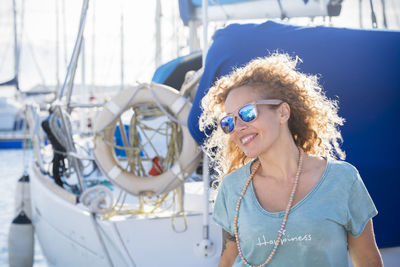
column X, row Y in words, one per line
column 248, row 113
column 227, row 124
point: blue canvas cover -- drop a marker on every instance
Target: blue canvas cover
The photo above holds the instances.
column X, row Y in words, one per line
column 173, row 72
column 359, row 67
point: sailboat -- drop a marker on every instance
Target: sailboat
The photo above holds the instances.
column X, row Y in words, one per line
column 128, row 195
column 11, row 111
column 13, row 126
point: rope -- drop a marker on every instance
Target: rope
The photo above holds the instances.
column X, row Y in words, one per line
column 98, row 199
column 100, row 231
column 191, row 81
column 26, row 144
column 133, row 153
column 139, row 147
column 171, row 117
column 57, row 128
column 181, row 172
column 171, row 131
column 161, row 199
column 123, row 244
column 184, row 220
column 103, row 245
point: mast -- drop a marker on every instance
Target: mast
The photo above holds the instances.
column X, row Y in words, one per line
column 67, row 89
column 69, row 77
column 384, row 14
column 158, row 33
column 206, row 174
column 57, row 47
column 16, row 52
column 360, row 15
column 122, row 49
column 83, row 69
column 14, row 80
column 93, row 52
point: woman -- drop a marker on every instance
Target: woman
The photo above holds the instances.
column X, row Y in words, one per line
column 285, row 200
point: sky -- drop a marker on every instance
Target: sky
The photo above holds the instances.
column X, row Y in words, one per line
column 102, row 53
column 102, row 40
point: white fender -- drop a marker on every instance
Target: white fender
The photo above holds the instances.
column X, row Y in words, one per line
column 20, row 242
column 104, row 153
column 22, row 199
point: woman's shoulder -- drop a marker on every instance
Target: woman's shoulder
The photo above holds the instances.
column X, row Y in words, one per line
column 341, row 165
column 342, row 170
column 234, row 178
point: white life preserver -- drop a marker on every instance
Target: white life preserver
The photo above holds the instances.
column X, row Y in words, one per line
column 104, row 127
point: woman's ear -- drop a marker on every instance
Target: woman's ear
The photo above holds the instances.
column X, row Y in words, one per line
column 284, row 112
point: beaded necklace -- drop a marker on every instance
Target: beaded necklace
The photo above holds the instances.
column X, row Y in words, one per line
column 281, row 231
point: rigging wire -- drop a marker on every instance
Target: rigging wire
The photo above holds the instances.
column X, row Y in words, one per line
column 395, row 6
column 158, row 36
column 97, row 228
column 35, row 61
column 19, row 43
column 283, row 13
column 16, row 47
column 222, row 8
column 373, row 16
column 384, row 14
column 93, row 67
column 65, row 34
column 122, row 49
column 2, row 60
column 360, row 13
column 123, row 244
column 57, row 58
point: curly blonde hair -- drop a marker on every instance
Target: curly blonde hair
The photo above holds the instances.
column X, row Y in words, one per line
column 313, row 121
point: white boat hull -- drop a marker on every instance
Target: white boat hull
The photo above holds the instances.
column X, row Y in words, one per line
column 68, row 237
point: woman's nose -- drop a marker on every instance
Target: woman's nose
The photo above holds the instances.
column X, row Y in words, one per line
column 239, row 124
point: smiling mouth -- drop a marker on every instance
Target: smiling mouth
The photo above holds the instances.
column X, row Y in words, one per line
column 247, row 139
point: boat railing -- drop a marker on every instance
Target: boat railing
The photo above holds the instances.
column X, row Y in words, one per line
column 85, row 105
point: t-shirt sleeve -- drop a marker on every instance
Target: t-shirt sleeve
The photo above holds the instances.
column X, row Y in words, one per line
column 361, row 208
column 220, row 215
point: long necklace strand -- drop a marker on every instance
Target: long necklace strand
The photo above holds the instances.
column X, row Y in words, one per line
column 289, row 205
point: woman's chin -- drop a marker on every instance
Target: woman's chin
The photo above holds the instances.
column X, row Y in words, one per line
column 250, row 154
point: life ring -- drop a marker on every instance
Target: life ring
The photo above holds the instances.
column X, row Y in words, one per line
column 104, row 126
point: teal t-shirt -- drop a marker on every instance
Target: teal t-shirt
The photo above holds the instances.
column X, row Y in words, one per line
column 317, row 226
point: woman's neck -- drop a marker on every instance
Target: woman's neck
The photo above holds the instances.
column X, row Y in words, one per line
column 280, row 162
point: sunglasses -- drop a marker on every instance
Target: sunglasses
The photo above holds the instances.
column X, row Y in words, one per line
column 247, row 113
